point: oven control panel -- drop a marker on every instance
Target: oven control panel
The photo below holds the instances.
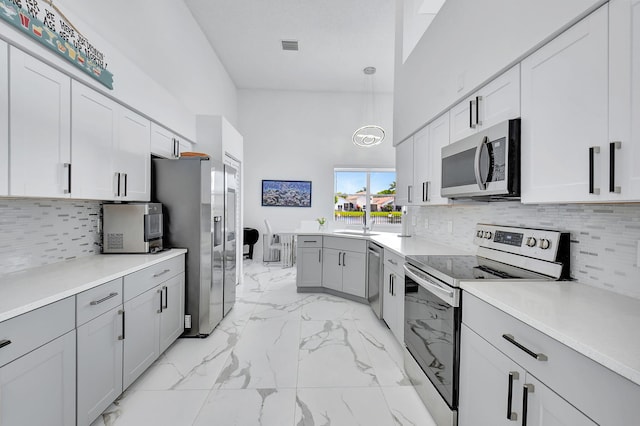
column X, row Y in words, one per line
column 537, row 243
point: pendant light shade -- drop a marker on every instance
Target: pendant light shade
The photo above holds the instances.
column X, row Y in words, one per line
column 370, row 134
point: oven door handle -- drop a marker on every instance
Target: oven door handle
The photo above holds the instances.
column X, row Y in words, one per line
column 438, row 290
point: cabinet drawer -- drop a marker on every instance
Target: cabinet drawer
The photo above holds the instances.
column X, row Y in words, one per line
column 141, row 281
column 394, row 261
column 309, row 241
column 98, row 300
column 33, row 329
column 583, row 382
column 348, row 244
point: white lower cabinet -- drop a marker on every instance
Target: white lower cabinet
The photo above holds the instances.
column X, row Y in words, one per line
column 344, row 265
column 309, row 261
column 393, row 294
column 172, row 311
column 142, row 334
column 494, row 390
column 39, row 388
column 99, row 364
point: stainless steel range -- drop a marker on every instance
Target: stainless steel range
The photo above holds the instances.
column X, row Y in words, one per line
column 433, row 303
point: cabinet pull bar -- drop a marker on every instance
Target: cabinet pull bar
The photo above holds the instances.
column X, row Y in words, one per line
column 478, row 99
column 471, row 114
column 121, row 337
column 159, row 311
column 339, row 258
column 125, row 184
column 4, row 342
column 310, row 241
column 393, row 262
column 528, row 388
column 593, row 150
column 612, row 167
column 161, row 273
column 166, row 297
column 509, row 338
column 393, row 284
column 410, row 193
column 344, row 259
column 67, row 166
column 117, row 176
column 110, row 296
column 513, row 375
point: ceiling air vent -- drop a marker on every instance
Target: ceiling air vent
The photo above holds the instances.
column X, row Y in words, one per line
column 290, row 45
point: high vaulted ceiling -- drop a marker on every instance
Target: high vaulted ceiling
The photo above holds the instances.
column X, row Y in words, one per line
column 337, row 40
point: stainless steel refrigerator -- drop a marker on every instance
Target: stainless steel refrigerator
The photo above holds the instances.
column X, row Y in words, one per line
column 192, row 191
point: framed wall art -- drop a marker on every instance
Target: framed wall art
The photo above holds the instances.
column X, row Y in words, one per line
column 286, row 193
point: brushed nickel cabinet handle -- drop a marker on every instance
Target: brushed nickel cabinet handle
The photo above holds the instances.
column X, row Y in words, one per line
column 509, row 338
column 4, row 342
column 513, row 375
column 526, row 390
column 99, row 301
column 159, row 274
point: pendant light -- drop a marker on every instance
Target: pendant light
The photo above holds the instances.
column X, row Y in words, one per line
column 370, row 134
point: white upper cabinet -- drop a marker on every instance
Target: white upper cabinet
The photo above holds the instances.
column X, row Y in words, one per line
column 438, row 138
column 111, row 158
column 40, row 126
column 404, row 173
column 624, row 100
column 421, row 180
column 565, row 115
column 4, row 119
column 93, row 134
column 498, row 101
column 166, row 144
column 134, row 161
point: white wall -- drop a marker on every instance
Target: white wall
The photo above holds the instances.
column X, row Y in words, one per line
column 468, row 43
column 165, row 69
column 294, row 135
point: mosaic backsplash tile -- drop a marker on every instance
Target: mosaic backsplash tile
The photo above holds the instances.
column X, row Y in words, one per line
column 604, row 237
column 39, row 232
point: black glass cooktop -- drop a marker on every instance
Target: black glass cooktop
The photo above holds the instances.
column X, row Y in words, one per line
column 452, row 269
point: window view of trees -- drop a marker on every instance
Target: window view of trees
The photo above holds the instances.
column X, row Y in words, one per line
column 357, row 191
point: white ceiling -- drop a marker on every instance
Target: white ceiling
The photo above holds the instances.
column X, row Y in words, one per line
column 337, row 39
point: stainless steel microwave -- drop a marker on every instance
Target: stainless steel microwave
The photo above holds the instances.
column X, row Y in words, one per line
column 485, row 165
column 132, row 228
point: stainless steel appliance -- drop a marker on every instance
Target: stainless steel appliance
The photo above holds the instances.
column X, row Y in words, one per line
column 132, row 228
column 375, row 275
column 432, row 302
column 191, row 190
column 485, row 165
column 229, row 240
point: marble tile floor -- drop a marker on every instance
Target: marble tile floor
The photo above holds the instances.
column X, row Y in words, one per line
column 279, row 358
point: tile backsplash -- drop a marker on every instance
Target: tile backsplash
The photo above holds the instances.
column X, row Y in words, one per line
column 604, row 237
column 35, row 232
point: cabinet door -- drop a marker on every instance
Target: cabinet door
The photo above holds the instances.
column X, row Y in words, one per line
column 39, row 129
column 404, row 173
column 172, row 316
column 134, row 159
column 163, row 142
column 354, row 272
column 309, row 260
column 438, row 138
column 463, row 119
column 332, row 269
column 94, row 144
column 564, row 113
column 499, row 100
column 398, row 298
column 485, row 376
column 422, row 172
column 141, row 342
column 389, row 307
column 99, row 364
column 624, row 98
column 40, row 387
column 546, row 408
column 4, row 118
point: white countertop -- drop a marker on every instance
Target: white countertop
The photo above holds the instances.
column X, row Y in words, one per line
column 599, row 324
column 403, row 246
column 23, row 291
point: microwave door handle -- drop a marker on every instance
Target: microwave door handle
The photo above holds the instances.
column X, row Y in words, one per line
column 476, row 164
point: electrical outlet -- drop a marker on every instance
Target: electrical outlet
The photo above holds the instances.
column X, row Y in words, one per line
column 450, row 226
column 187, row 321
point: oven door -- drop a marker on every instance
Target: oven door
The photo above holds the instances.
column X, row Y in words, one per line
column 432, row 330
